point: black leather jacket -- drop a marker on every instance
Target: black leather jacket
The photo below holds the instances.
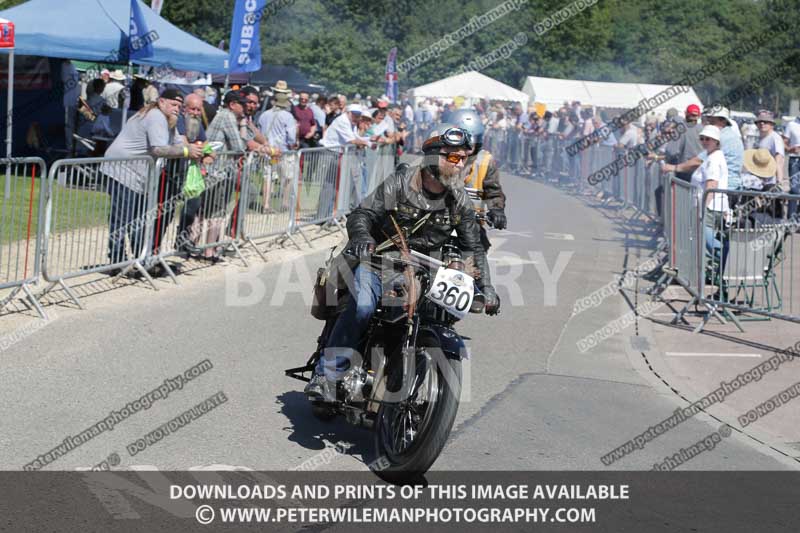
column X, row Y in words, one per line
column 403, row 197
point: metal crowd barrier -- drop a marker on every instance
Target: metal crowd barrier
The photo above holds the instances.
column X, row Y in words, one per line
column 95, row 218
column 685, row 260
column 112, row 215
column 206, row 224
column 21, row 227
column 750, row 257
column 268, row 201
column 316, row 189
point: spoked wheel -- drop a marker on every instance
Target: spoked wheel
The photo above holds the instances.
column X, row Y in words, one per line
column 411, row 433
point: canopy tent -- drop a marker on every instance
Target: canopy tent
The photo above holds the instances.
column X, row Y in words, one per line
column 164, row 77
column 269, row 75
column 553, row 92
column 94, row 30
column 470, row 85
column 743, row 115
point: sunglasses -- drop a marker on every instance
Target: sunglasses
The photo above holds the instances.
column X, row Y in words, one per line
column 760, row 122
column 453, row 157
column 702, row 138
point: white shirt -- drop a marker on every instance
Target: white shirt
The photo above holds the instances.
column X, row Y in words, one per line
column 713, row 168
column 386, row 126
column 340, row 132
column 792, row 132
column 630, row 137
column 111, row 93
column 408, row 114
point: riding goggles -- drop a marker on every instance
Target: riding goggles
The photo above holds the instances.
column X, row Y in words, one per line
column 455, row 137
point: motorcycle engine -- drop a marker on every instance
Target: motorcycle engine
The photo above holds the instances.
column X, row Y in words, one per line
column 357, row 385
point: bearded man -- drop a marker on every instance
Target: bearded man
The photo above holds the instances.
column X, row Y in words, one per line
column 190, row 125
column 150, row 132
column 432, row 190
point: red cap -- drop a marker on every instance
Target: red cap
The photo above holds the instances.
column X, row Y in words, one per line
column 693, row 109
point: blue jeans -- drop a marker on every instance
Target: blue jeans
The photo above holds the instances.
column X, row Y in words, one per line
column 714, row 224
column 547, row 159
column 352, row 323
column 127, row 218
column 794, row 182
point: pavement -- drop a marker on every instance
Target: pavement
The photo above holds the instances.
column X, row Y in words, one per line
column 533, row 400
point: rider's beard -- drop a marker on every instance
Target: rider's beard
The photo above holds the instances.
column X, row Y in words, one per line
column 172, row 121
column 192, row 126
column 448, row 175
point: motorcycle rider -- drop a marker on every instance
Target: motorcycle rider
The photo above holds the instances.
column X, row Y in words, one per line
column 430, row 190
column 483, row 174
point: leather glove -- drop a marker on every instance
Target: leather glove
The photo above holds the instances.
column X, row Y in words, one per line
column 362, row 249
column 497, row 218
column 492, row 301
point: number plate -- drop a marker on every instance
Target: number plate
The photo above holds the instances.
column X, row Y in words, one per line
column 452, row 290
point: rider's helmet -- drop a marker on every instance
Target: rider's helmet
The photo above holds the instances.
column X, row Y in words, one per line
column 446, row 135
column 469, row 121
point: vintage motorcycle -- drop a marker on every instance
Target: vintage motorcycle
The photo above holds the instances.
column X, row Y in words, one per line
column 407, row 385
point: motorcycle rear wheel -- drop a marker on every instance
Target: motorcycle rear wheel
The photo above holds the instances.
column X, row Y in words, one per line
column 410, row 435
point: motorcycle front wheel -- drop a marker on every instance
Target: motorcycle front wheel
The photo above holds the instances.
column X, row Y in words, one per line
column 411, row 433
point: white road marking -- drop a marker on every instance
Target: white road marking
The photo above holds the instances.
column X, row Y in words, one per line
column 511, row 260
column 559, row 236
column 526, row 234
column 711, row 354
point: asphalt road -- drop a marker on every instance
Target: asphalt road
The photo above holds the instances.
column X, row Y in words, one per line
column 533, row 400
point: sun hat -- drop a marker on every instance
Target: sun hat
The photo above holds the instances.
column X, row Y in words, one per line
column 765, row 116
column 719, row 112
column 712, row 132
column 281, row 87
column 759, row 162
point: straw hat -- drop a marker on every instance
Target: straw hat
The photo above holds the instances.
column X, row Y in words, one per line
column 281, row 87
column 117, row 75
column 760, row 163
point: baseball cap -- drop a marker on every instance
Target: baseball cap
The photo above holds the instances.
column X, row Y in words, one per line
column 354, row 108
column 234, row 96
column 172, row 94
column 693, row 109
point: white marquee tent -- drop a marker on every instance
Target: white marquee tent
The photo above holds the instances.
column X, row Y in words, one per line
column 470, row 85
column 553, row 92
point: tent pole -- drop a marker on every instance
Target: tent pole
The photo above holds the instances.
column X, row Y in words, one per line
column 9, row 119
column 128, row 88
column 227, row 81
